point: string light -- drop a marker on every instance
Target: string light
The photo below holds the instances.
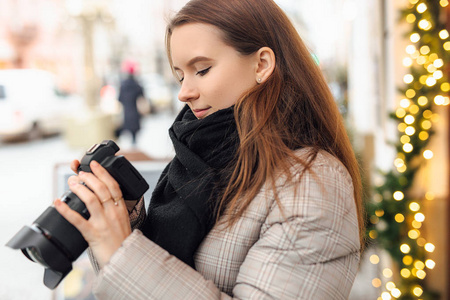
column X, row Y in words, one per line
column 425, row 87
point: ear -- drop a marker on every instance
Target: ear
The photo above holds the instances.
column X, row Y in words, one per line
column 266, row 64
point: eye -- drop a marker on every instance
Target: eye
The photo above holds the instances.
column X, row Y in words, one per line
column 203, row 72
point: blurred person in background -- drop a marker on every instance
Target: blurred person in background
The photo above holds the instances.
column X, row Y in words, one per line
column 131, row 92
column 263, row 197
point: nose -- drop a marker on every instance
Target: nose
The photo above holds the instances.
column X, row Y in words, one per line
column 187, row 92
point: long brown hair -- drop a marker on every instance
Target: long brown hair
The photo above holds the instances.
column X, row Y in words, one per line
column 292, row 109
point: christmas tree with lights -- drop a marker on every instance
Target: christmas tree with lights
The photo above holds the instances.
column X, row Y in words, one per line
column 396, row 218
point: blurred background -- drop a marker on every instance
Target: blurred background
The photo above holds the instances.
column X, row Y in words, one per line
column 62, row 64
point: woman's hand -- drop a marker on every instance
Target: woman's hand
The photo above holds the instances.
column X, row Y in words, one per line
column 109, row 223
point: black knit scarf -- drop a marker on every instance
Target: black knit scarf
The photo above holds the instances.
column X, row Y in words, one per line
column 182, row 206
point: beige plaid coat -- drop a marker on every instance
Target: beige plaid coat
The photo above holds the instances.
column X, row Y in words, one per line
column 307, row 250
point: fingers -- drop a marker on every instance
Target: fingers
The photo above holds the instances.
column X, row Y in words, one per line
column 70, row 215
column 74, row 165
column 88, row 197
column 110, row 183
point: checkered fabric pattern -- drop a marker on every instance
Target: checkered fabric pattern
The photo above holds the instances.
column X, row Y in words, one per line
column 307, row 249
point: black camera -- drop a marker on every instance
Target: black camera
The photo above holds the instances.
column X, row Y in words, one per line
column 55, row 243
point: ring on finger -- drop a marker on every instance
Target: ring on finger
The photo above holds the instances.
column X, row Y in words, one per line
column 116, row 200
column 106, row 200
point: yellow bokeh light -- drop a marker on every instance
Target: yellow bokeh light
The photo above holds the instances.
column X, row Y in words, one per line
column 409, row 119
column 416, row 224
column 411, row 18
column 438, row 74
column 398, row 162
column 427, row 114
column 374, row 259
column 398, row 195
column 421, row 242
column 439, row 100
column 405, row 103
column 423, row 79
column 424, row 24
column 431, row 68
column 428, row 154
column 423, row 135
column 431, row 81
column 438, row 63
column 376, row 282
column 413, row 234
column 435, row 118
column 429, row 195
column 401, row 169
column 415, row 37
column 421, row 8
column 407, row 260
column 426, row 124
column 374, row 219
column 430, row 263
column 405, row 248
column 410, row 93
column 422, row 60
column 405, row 139
column 390, row 285
column 401, row 127
column 425, row 50
column 407, row 62
column 445, row 87
column 373, row 234
column 418, row 291
column 421, row 274
column 419, row 217
column 410, row 131
column 387, row 273
column 429, row 247
column 422, row 100
column 443, row 3
column 408, row 78
column 410, row 49
column 405, row 273
column 443, row 34
column 400, row 112
column 399, row 218
column 447, row 46
column 396, row 293
column 414, row 206
column 379, row 212
column 433, row 57
column 408, row 147
column 414, row 109
column 419, row 265
column 386, row 296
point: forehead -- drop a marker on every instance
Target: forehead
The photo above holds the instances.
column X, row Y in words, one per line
column 196, row 39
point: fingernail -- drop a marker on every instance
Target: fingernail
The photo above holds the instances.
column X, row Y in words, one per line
column 94, row 163
column 80, row 173
column 72, row 183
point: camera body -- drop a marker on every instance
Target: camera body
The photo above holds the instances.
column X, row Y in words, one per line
column 55, row 243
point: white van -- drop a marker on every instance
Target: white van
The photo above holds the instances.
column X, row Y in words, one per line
column 30, row 104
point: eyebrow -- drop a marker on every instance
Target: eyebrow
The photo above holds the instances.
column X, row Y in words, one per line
column 194, row 60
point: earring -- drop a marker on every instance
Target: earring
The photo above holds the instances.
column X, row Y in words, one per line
column 259, row 80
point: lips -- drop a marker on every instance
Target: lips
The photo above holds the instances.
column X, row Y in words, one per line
column 201, row 113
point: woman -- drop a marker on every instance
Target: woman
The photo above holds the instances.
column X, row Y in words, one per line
column 262, row 199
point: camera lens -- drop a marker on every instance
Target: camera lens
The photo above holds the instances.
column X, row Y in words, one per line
column 36, row 256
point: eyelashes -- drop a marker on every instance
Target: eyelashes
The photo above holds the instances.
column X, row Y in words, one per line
column 201, row 73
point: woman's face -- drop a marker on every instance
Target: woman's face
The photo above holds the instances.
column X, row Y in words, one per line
column 213, row 75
